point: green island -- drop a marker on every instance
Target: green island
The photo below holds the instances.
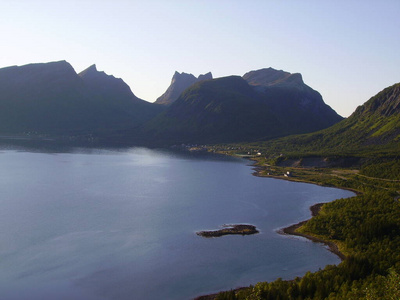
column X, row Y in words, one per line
column 361, row 153
column 242, row 229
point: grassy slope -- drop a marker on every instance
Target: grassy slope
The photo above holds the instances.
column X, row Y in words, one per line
column 373, row 127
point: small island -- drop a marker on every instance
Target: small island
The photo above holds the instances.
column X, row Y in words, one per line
column 242, row 229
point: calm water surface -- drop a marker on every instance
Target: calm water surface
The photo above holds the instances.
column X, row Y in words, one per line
column 106, row 224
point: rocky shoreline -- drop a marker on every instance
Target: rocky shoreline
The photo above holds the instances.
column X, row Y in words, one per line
column 291, row 230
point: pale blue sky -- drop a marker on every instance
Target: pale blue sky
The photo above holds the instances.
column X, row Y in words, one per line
column 347, row 50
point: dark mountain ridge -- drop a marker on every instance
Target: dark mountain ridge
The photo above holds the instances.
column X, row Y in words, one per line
column 56, row 75
column 263, row 104
column 51, row 98
column 106, row 84
column 218, row 110
column 118, row 96
column 288, row 91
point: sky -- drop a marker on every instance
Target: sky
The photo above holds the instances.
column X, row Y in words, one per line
column 348, row 50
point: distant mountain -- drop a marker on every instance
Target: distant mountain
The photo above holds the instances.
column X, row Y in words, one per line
column 218, row 110
column 289, row 97
column 179, row 83
column 50, row 98
column 263, row 104
column 375, row 124
column 115, row 94
column 270, row 77
column 107, row 85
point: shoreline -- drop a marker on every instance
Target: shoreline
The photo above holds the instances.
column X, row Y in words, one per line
column 315, row 208
column 257, row 172
column 291, row 229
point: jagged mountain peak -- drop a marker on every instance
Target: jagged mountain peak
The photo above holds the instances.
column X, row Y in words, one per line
column 179, row 83
column 93, row 72
column 182, row 76
column 206, row 76
column 229, row 109
column 89, row 70
column 106, row 84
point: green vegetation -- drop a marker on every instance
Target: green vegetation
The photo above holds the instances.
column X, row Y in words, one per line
column 360, row 153
column 389, row 170
column 372, row 128
column 366, row 228
column 242, row 229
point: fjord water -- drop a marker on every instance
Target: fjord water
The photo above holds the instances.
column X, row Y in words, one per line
column 121, row 224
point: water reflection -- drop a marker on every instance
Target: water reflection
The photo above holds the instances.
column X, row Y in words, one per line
column 94, row 224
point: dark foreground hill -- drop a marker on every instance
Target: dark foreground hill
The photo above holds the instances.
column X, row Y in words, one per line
column 51, row 98
column 375, row 125
column 263, row 104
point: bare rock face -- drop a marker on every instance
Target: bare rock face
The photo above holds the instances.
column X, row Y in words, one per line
column 179, row 83
column 270, row 77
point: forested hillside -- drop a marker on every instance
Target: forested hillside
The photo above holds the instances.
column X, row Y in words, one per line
column 360, row 153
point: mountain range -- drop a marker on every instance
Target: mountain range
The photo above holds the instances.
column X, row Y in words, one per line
column 52, row 99
column 262, row 104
